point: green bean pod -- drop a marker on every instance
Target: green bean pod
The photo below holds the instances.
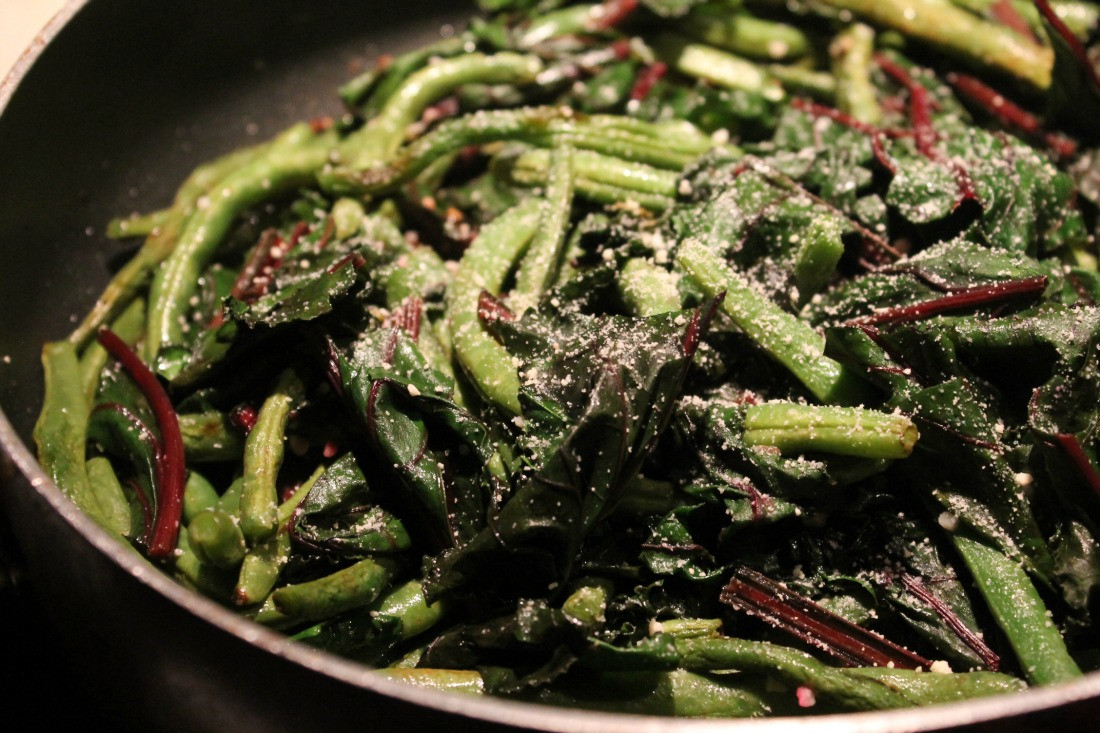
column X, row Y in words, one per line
column 353, row 587
column 852, row 51
column 846, row 431
column 595, row 174
column 289, row 161
column 1019, row 612
column 818, row 255
column 263, row 455
column 464, row 681
column 862, row 688
column 216, row 539
column 198, row 496
column 635, row 141
column 484, row 267
column 722, row 68
column 540, row 264
column 382, row 135
column 648, row 290
column 791, row 342
column 958, row 32
column 260, row 569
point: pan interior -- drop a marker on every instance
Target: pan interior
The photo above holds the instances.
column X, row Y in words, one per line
column 100, row 129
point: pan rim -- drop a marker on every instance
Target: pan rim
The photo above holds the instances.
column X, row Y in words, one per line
column 524, row 715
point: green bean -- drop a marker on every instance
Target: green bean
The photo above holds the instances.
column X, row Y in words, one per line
column 539, row 265
column 789, row 341
column 375, row 87
column 648, row 290
column 260, row 569
column 289, row 161
column 210, row 437
column 800, row 79
column 129, row 326
column 594, row 171
column 745, row 34
column 198, row 496
column 230, row 501
column 290, row 505
column 211, row 581
column 568, row 21
column 1019, row 612
column 658, row 692
column 216, row 539
column 353, row 587
column 871, row 688
column 1079, row 17
column 819, row 252
column 347, row 218
column 484, row 267
column 960, row 33
column 449, row 680
column 263, row 455
column 134, row 275
column 688, row 628
column 116, row 514
column 137, row 225
column 272, row 618
column 852, row 51
column 373, row 631
column 636, row 141
column 407, row 603
column 601, row 193
column 264, row 562
column 718, row 67
column 846, row 431
column 381, row 137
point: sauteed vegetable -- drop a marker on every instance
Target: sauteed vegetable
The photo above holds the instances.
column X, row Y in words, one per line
column 664, row 356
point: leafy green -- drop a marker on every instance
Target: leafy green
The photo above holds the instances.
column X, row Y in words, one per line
column 438, row 452
column 597, row 392
column 341, row 512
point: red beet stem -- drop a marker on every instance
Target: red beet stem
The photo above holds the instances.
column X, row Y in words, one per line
column 924, row 133
column 920, row 105
column 171, row 470
column 1009, row 113
column 915, row 586
column 1070, row 40
column 647, row 78
column 611, row 13
column 1072, row 447
column 1007, row 15
column 852, row 645
column 491, row 309
column 970, row 298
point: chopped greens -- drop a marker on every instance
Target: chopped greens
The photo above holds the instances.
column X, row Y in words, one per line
column 676, row 357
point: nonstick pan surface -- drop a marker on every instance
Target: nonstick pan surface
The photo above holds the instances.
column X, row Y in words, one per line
column 124, row 100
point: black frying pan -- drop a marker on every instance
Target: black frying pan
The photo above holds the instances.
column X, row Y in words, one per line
column 125, row 100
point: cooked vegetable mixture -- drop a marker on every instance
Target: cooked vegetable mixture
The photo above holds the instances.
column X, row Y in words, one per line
column 660, row 356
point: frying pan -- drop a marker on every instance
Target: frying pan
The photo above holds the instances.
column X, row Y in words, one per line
column 116, row 101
